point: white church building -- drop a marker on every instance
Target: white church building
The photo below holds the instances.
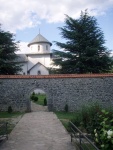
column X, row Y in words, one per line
column 39, row 59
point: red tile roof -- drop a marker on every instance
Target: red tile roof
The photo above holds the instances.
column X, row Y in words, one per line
column 55, row 76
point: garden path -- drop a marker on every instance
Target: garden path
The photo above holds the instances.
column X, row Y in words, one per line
column 35, row 107
column 38, row 131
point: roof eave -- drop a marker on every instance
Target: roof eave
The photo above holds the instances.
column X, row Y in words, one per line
column 39, row 42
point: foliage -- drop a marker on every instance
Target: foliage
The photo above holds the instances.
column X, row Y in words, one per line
column 90, row 117
column 8, row 47
column 10, row 110
column 53, row 70
column 97, row 122
column 77, row 119
column 40, row 98
column 94, row 120
column 33, row 93
column 84, row 50
column 34, row 97
column 104, row 132
column 66, row 108
column 45, row 101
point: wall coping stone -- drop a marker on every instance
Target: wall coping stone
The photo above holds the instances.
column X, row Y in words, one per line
column 56, row 76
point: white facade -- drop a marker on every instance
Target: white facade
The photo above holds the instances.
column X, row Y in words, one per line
column 40, row 48
column 38, row 60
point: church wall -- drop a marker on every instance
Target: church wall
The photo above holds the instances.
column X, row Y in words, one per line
column 74, row 90
column 41, row 68
column 24, row 68
column 34, row 59
column 41, row 49
column 43, row 59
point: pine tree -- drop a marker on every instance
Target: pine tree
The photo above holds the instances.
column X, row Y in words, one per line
column 84, row 50
column 8, row 47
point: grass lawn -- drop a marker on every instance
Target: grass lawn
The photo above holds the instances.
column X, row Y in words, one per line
column 41, row 98
column 10, row 115
column 86, row 146
column 65, row 117
column 11, row 118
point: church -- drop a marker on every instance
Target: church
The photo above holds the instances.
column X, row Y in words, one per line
column 39, row 59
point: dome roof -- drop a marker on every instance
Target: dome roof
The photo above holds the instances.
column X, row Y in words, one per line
column 39, row 39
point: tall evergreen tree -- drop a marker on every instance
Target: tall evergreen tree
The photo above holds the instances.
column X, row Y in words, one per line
column 8, row 47
column 84, row 50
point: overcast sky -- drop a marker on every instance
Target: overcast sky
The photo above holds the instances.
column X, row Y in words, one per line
column 25, row 17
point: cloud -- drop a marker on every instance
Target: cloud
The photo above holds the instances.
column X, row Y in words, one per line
column 21, row 14
column 23, row 48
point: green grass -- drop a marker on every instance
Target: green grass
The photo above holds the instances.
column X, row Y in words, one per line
column 7, row 117
column 10, row 115
column 84, row 146
column 9, row 129
column 88, row 145
column 65, row 117
column 41, row 98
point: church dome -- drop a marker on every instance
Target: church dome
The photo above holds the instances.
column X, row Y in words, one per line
column 39, row 39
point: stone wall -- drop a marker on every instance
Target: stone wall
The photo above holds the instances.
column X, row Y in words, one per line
column 74, row 90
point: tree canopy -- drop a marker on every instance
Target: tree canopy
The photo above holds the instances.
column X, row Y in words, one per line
column 8, row 47
column 84, row 50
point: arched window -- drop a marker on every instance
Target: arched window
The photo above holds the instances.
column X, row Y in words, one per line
column 46, row 47
column 38, row 47
column 38, row 72
column 28, row 72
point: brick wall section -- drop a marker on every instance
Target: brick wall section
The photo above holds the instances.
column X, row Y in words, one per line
column 74, row 90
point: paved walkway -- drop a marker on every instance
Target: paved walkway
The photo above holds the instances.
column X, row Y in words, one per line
column 38, row 131
column 36, row 108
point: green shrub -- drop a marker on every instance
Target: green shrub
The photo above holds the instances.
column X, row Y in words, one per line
column 103, row 133
column 77, row 120
column 90, row 118
column 97, row 122
column 35, row 98
column 45, row 101
column 33, row 93
column 66, row 108
column 10, row 110
column 32, row 97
